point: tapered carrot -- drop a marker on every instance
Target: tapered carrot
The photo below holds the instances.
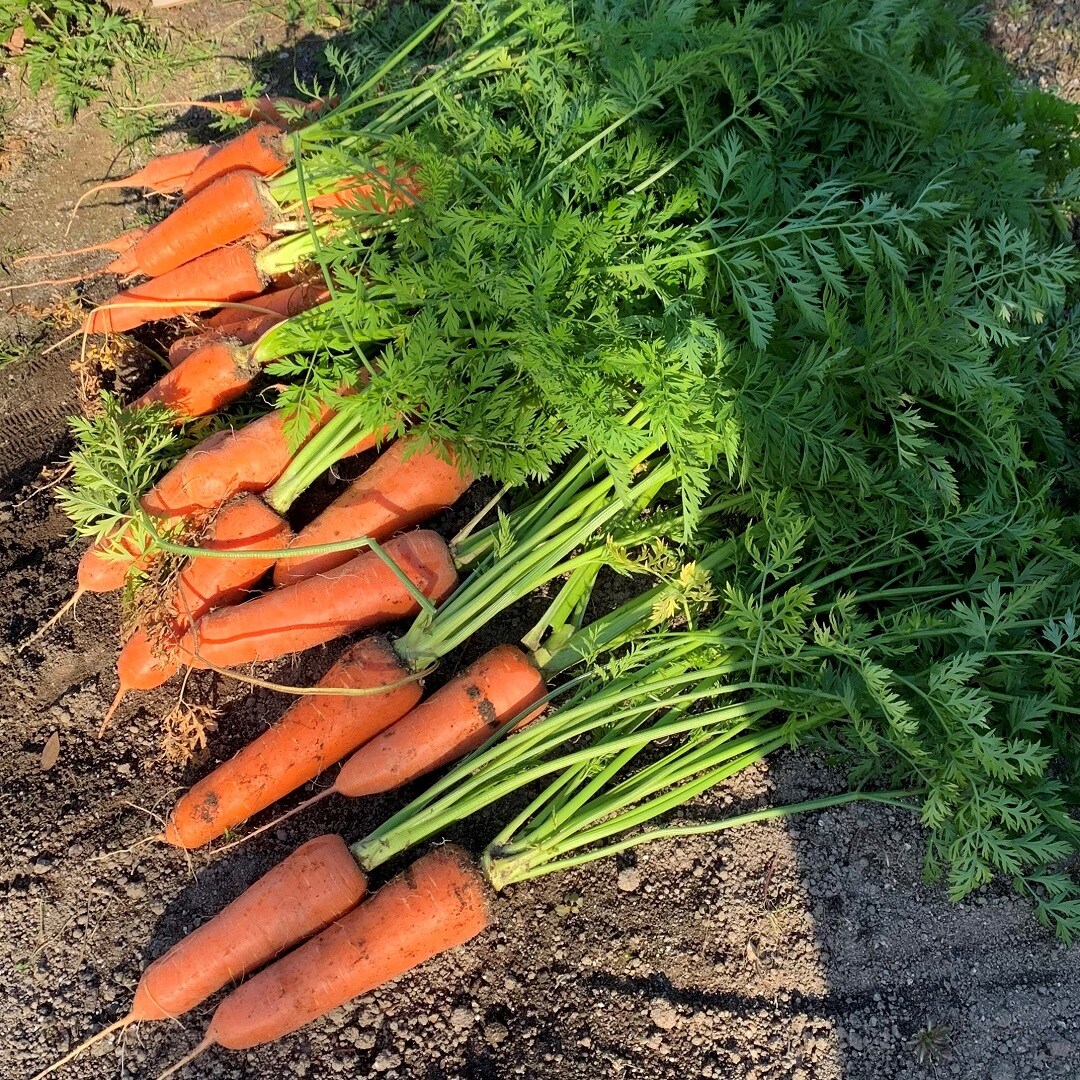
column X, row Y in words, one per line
column 316, row 731
column 316, row 884
column 406, row 485
column 217, row 372
column 359, row 594
column 455, row 720
column 225, row 210
column 226, row 274
column 266, row 107
column 261, row 149
column 161, row 175
column 284, row 303
column 439, row 903
column 244, row 524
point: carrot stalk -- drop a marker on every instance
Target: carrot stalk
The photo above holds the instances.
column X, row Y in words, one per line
column 316, row 884
column 439, row 903
column 223, row 211
column 359, row 594
column 405, row 486
column 314, row 733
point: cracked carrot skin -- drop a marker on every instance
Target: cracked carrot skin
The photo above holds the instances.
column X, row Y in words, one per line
column 314, row 733
column 358, row 595
column 440, row 902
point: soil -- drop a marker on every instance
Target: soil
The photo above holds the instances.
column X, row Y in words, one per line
column 801, row 951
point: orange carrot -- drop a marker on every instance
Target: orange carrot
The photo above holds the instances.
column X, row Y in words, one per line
column 244, row 524
column 364, row 193
column 439, row 903
column 223, row 275
column 266, row 108
column 260, row 149
column 453, row 722
column 161, row 175
column 206, row 380
column 225, row 210
column 317, row 731
column 314, row 886
column 357, row 595
column 405, row 486
column 291, row 300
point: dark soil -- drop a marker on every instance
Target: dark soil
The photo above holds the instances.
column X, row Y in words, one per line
column 801, row 951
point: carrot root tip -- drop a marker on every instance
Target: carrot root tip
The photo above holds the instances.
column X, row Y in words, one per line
column 117, row 1025
column 112, row 709
column 172, row 1070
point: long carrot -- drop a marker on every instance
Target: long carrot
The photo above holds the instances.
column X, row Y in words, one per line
column 359, row 594
column 439, row 903
column 406, row 485
column 316, row 884
column 316, row 731
column 503, row 684
column 219, row 276
column 223, row 211
column 161, row 175
column 261, row 149
column 282, row 302
column 244, row 524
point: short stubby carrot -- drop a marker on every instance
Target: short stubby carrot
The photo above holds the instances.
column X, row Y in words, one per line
column 407, row 484
column 261, row 149
column 226, row 274
column 437, row 904
column 316, row 731
column 206, row 380
column 225, row 210
column 309, row 890
column 245, row 523
column 503, row 684
column 358, row 595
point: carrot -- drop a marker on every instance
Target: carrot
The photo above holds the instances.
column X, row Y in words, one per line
column 359, row 594
column 223, row 275
column 282, row 302
column 317, row 731
column 223, row 211
column 260, row 149
column 244, row 524
column 264, row 108
column 217, row 372
column 363, row 193
column 439, row 903
column 405, row 486
column 454, row 721
column 309, row 890
column 161, row 175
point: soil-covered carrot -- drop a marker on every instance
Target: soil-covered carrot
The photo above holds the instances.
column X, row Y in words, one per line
column 316, row 731
column 359, row 594
column 244, row 524
column 406, row 485
column 440, row 902
column 260, row 149
column 226, row 274
column 316, row 884
column 225, row 210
